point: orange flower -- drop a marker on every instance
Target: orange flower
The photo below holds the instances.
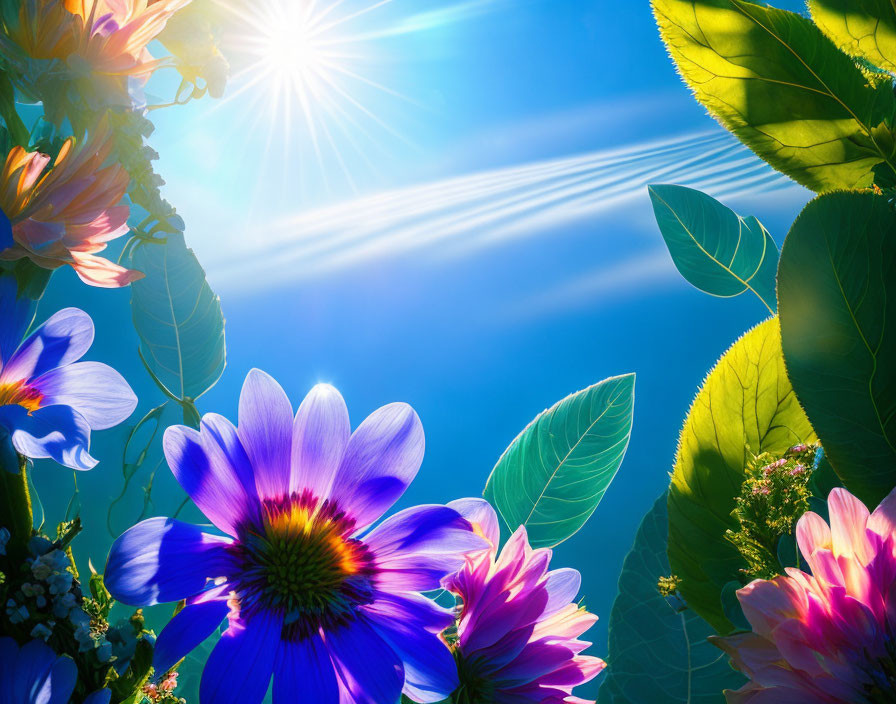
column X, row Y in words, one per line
column 67, row 213
column 109, row 36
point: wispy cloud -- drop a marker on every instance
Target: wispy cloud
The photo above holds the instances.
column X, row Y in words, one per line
column 457, row 216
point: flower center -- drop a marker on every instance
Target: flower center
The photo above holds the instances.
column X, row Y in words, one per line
column 474, row 688
column 18, row 393
column 303, row 562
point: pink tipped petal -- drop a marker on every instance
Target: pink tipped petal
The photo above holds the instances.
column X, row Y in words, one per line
column 883, row 520
column 381, row 460
column 265, row 429
column 96, row 391
column 102, row 273
column 481, row 515
column 849, row 519
column 320, row 435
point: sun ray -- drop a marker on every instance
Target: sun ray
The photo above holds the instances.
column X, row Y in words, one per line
column 300, row 65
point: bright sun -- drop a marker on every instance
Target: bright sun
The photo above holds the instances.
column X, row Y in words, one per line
column 303, row 65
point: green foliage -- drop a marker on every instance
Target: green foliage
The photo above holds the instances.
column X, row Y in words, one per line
column 178, row 318
column 714, row 248
column 837, row 289
column 865, row 28
column 777, row 82
column 746, row 406
column 554, row 474
column 658, row 648
column 775, row 493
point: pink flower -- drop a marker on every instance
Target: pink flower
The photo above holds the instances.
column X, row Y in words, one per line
column 828, row 637
column 66, row 213
column 517, row 637
column 107, row 36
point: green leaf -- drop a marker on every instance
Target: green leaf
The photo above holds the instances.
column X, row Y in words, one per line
column 837, row 282
column 865, row 28
column 777, row 82
column 659, row 653
column 714, row 248
column 554, row 474
column 178, row 318
column 746, row 405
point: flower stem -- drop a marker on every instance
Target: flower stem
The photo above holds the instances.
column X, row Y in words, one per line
column 15, row 505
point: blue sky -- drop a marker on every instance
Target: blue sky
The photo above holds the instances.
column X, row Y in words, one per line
column 495, row 254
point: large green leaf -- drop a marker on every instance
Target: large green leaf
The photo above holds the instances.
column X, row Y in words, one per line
column 659, row 653
column 554, row 474
column 865, row 28
column 714, row 248
column 178, row 318
column 777, row 82
column 837, row 283
column 746, row 405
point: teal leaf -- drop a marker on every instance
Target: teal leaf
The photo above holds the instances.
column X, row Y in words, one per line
column 658, row 650
column 714, row 248
column 178, row 318
column 554, row 474
column 837, row 292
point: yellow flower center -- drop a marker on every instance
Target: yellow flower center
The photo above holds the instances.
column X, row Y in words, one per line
column 303, row 562
column 18, row 393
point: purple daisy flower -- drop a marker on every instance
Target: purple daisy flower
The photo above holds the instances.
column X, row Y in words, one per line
column 49, row 401
column 313, row 597
column 34, row 674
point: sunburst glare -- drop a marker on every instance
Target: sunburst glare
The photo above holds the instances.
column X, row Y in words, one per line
column 303, row 67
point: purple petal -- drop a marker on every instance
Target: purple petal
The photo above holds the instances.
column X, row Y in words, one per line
column 480, row 513
column 265, row 428
column 381, row 460
column 61, row 340
column 415, row 548
column 193, row 624
column 16, row 314
column 95, row 390
column 6, row 238
column 214, row 470
column 41, row 676
column 8, row 651
column 59, row 433
column 429, row 668
column 161, row 560
column 369, row 670
column 563, row 586
column 240, row 667
column 305, row 673
column 320, row 434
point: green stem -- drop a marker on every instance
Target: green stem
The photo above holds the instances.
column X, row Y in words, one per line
column 15, row 502
column 17, row 130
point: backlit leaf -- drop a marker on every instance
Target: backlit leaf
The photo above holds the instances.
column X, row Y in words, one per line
column 178, row 318
column 777, row 82
column 714, row 248
column 746, row 405
column 658, row 651
column 554, row 474
column 837, row 283
column 865, row 28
